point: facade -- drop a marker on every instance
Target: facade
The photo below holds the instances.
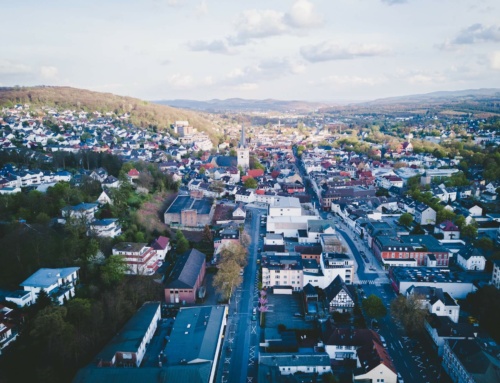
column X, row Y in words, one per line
column 128, row 347
column 436, row 301
column 186, row 278
column 57, row 283
column 139, row 258
column 402, row 278
column 106, row 228
column 466, row 362
column 274, row 366
column 442, row 328
column 471, row 259
column 448, row 229
column 336, row 265
column 495, row 278
column 425, row 215
column 84, row 211
column 282, row 270
column 243, row 152
column 338, row 297
column 187, row 211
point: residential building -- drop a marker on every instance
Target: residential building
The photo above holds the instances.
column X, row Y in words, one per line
column 82, row 211
column 139, row 258
column 495, row 277
column 275, row 367
column 472, row 259
column 186, row 278
column 338, row 296
column 162, row 246
column 442, row 328
column 448, row 229
column 425, row 215
column 282, row 270
column 465, row 361
column 57, row 283
column 436, row 301
column 107, row 227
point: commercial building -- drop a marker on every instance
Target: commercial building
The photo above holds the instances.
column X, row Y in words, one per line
column 187, row 211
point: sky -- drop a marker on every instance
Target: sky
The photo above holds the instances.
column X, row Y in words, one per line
column 314, row 50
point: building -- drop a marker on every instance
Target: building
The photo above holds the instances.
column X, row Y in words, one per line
column 425, row 215
column 442, row 328
column 471, row 259
column 186, row 211
column 162, row 246
column 436, row 301
column 139, row 258
column 495, row 278
column 448, row 229
column 337, row 264
column 282, row 270
column 106, row 228
column 195, row 343
column 186, row 278
column 465, row 361
column 275, row 367
column 190, row 355
column 82, row 211
column 57, row 283
column 416, row 247
column 338, row 297
column 402, row 278
column 243, row 153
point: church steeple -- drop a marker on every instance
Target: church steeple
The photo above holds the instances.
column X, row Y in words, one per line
column 243, row 143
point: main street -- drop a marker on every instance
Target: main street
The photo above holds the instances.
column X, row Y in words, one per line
column 239, row 357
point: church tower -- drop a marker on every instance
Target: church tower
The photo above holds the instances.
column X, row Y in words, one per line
column 243, row 151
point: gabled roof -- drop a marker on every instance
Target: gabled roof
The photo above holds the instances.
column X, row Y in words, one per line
column 334, row 288
column 186, row 270
column 160, row 243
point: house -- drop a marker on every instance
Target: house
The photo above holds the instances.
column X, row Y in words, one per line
column 99, row 174
column 133, row 174
column 186, row 278
column 57, row 283
column 225, row 237
column 471, row 259
column 442, row 328
column 139, row 258
column 239, row 213
column 161, row 245
column 105, row 228
column 436, row 301
column 111, row 182
column 466, row 360
column 448, row 229
column 282, row 270
column 374, row 364
column 82, row 211
column 9, row 319
column 275, row 367
column 425, row 215
column 338, row 297
column 104, row 199
column 495, row 277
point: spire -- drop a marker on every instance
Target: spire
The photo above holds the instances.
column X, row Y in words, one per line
column 242, row 139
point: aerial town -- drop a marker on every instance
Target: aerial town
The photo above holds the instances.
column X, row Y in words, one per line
column 299, row 247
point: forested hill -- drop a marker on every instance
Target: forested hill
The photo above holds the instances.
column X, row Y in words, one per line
column 142, row 113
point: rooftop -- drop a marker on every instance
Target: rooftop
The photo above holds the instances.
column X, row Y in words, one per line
column 185, row 202
column 131, row 247
column 47, row 277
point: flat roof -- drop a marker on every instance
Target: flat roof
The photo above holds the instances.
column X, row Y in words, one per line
column 48, row 277
column 129, row 246
column 130, row 336
column 286, row 202
column 185, row 202
column 195, row 335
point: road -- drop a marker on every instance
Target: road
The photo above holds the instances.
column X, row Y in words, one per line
column 239, row 357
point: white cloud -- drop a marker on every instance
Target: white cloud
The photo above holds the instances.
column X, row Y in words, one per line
column 254, row 23
column 303, row 15
column 49, row 72
column 178, row 80
column 478, row 33
column 329, row 50
column 495, row 60
column 175, row 3
column 10, row 67
column 247, row 86
column 214, row 46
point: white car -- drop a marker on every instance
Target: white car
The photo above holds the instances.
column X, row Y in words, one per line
column 400, row 378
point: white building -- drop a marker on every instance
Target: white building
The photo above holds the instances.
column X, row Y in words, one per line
column 105, row 228
column 495, row 278
column 139, row 257
column 471, row 259
column 282, row 270
column 436, row 301
column 57, row 283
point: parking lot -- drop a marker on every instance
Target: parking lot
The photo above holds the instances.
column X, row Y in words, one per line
column 284, row 309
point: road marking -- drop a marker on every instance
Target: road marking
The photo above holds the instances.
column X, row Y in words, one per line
column 227, row 360
column 254, row 330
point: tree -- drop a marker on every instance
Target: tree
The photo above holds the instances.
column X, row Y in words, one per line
column 417, row 230
column 245, row 239
column 409, row 312
column 250, row 183
column 444, row 215
column 43, row 300
column 113, row 270
column 469, row 231
column 484, row 243
column 235, row 252
column 460, row 221
column 181, row 242
column 207, row 235
column 374, row 307
column 227, row 277
column 406, row 219
column 382, row 192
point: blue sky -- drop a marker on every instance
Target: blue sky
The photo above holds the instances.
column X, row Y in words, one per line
column 318, row 50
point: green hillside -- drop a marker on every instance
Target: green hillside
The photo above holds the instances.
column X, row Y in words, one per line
column 142, row 113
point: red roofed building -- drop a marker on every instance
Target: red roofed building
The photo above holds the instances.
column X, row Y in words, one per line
column 255, row 173
column 133, row 174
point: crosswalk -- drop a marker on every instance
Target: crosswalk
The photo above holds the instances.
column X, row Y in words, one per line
column 371, row 282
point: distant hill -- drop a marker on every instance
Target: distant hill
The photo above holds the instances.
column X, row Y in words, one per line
column 242, row 105
column 142, row 113
column 441, row 96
